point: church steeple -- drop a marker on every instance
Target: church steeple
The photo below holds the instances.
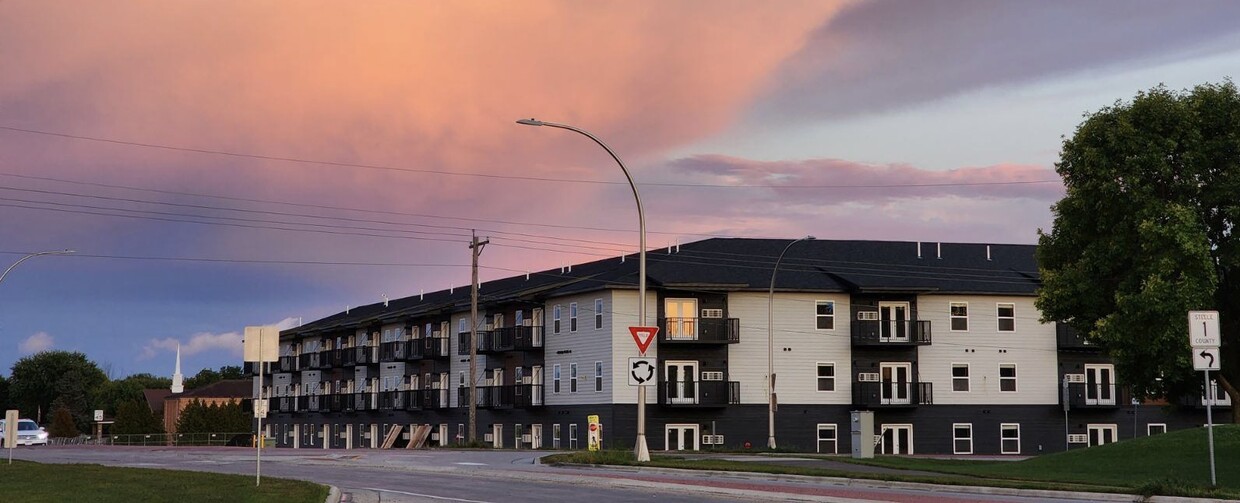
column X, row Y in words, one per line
column 178, row 384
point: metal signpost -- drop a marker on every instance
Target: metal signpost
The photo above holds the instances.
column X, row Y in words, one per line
column 1203, row 337
column 261, row 345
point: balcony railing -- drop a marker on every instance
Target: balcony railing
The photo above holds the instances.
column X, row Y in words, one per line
column 310, row 361
column 365, row 400
column 505, row 396
column 892, row 394
column 313, row 403
column 365, row 355
column 401, row 399
column 287, row 364
column 699, row 393
column 504, row 339
column 699, row 330
column 889, row 333
column 434, row 398
column 328, row 359
column 1098, row 395
column 340, row 402
column 285, row 403
column 1068, row 338
column 429, row 347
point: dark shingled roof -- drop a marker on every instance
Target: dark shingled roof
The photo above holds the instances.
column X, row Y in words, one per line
column 155, row 398
column 744, row 264
column 228, row 388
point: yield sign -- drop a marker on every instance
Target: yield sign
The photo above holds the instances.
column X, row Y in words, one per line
column 644, row 336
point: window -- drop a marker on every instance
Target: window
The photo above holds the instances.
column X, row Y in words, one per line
column 825, row 315
column 1009, row 438
column 1155, row 428
column 960, row 377
column 555, row 378
column 555, row 319
column 1007, row 377
column 572, row 378
column 572, row 436
column 598, row 313
column 962, row 438
column 520, row 318
column 598, row 376
column 1006, row 313
column 827, row 439
column 959, row 316
column 826, row 377
column 463, row 325
column 555, row 436
column 572, row 317
column 462, row 378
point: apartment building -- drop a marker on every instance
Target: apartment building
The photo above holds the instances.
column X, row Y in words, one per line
column 942, row 341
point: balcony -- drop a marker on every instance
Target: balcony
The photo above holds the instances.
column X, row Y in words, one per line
column 699, row 331
column 287, row 364
column 309, row 361
column 891, row 394
column 1098, row 396
column 339, row 402
column 433, row 398
column 365, row 355
column 699, row 394
column 504, row 339
column 505, row 396
column 1067, row 338
column 345, row 356
column 365, row 401
column 313, row 403
column 285, row 403
column 401, row 400
column 428, row 348
column 880, row 334
column 327, row 359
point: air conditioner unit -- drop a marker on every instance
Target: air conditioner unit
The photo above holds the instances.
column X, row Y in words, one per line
column 1078, row 438
column 867, row 315
column 1074, row 378
column 486, row 438
column 527, row 438
column 712, row 376
column 868, row 377
column 712, row 313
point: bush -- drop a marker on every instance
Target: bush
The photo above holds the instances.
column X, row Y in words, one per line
column 62, row 424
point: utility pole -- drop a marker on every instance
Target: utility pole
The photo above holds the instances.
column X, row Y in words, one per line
column 475, row 247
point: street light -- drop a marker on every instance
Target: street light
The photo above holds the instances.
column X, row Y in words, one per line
column 640, row 450
column 770, row 345
column 33, row 255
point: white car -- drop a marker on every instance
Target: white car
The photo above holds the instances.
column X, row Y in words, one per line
column 28, row 433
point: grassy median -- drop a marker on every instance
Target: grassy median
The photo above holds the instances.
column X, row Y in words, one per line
column 1173, row 464
column 35, row 482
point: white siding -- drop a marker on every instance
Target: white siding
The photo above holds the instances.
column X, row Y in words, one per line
column 588, row 345
column 1031, row 347
column 795, row 327
column 624, row 315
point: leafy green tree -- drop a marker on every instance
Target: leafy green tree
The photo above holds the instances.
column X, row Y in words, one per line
column 198, row 417
column 136, row 417
column 209, row 376
column 114, row 393
column 4, row 393
column 68, row 377
column 62, row 422
column 1145, row 234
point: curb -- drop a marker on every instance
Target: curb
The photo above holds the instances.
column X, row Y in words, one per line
column 333, row 495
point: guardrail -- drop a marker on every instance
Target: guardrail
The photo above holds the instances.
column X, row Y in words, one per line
column 240, row 439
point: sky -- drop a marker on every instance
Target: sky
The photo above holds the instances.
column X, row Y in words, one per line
column 220, row 164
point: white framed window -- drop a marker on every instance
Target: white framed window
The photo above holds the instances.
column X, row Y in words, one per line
column 960, row 377
column 555, row 379
column 1009, row 438
column 598, row 376
column 1155, row 428
column 598, row 313
column 826, row 377
column 1007, row 377
column 1005, row 312
column 572, row 378
column 959, row 317
column 572, row 435
column 824, row 314
column 962, row 438
column 519, row 320
column 464, row 325
column 462, row 378
column 572, row 317
column 555, row 318
column 555, row 436
column 828, row 441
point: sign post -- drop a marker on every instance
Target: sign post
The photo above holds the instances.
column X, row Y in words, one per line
column 643, row 336
column 1203, row 337
column 261, row 345
column 10, row 431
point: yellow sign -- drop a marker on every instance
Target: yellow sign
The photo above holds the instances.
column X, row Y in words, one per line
column 594, row 433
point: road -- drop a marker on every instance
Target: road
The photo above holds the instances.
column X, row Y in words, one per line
column 482, row 476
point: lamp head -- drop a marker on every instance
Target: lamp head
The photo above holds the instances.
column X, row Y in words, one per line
column 810, row 238
column 530, row 122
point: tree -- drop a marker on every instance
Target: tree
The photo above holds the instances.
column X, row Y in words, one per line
column 4, row 393
column 136, row 417
column 114, row 393
column 1145, row 234
column 42, row 378
column 62, row 422
column 209, row 376
column 198, row 417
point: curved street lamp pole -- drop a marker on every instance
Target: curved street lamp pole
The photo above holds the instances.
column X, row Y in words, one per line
column 30, row 256
column 640, row 450
column 770, row 346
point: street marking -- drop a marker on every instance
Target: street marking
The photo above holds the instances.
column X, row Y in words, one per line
column 431, row 496
column 466, row 463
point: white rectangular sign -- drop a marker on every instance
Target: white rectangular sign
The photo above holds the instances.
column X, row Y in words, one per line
column 10, row 429
column 98, row 415
column 643, row 372
column 1205, row 359
column 260, row 408
column 261, row 344
column 1203, row 329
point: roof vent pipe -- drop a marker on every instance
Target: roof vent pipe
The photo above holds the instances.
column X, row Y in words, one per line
column 346, row 309
column 919, row 249
column 385, row 300
column 939, row 250
column 987, row 253
column 421, row 295
column 678, row 246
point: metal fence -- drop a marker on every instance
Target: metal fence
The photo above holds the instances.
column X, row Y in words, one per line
column 245, row 439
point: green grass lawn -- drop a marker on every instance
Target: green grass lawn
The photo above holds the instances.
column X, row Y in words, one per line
column 34, row 482
column 1174, row 464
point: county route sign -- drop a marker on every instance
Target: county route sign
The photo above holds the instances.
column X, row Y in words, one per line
column 1203, row 329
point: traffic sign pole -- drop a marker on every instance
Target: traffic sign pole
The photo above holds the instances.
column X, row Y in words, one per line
column 1209, row 396
column 1204, row 338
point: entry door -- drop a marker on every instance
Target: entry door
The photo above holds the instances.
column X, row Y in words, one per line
column 896, row 439
column 497, row 436
column 327, row 436
column 443, row 389
column 1099, row 385
column 681, row 318
column 893, row 321
column 536, row 436
column 896, row 383
column 1101, row 434
column 536, row 390
column 537, row 322
column 348, row 436
column 297, row 436
column 681, row 437
column 681, row 380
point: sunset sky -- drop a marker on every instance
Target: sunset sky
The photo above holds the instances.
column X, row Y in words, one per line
column 218, row 164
